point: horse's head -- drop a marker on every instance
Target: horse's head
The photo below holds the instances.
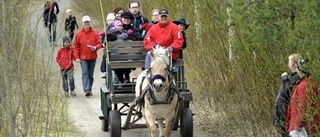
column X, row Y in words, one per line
column 159, row 68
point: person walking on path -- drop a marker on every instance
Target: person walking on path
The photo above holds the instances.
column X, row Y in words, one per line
column 65, row 60
column 283, row 97
column 85, row 46
column 70, row 24
column 51, row 10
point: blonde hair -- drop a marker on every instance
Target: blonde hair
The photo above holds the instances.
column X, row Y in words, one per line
column 69, row 10
column 295, row 58
column 154, row 10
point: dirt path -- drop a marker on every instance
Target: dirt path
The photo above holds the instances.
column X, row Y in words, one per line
column 83, row 110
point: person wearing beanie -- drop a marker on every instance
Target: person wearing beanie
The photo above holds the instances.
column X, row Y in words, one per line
column 120, row 33
column 70, row 24
column 118, row 25
column 85, row 47
column 103, row 34
column 65, row 60
column 110, row 18
column 303, row 109
column 123, row 30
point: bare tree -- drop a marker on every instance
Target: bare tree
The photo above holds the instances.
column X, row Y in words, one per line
column 8, row 98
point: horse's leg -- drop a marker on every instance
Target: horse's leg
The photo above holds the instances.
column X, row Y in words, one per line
column 152, row 124
column 160, row 125
column 149, row 133
column 169, row 120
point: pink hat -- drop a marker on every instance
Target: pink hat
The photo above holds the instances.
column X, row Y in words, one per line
column 117, row 23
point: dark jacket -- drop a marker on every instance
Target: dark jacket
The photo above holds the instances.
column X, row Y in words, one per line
column 184, row 44
column 135, row 36
column 139, row 21
column 283, row 99
column 110, row 35
column 70, row 24
column 48, row 14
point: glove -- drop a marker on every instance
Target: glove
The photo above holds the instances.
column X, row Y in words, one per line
column 143, row 33
column 129, row 32
column 296, row 133
column 156, row 46
column 170, row 49
column 124, row 35
column 102, row 33
column 284, row 74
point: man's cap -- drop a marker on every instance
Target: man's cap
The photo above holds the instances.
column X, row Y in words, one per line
column 86, row 18
column 163, row 12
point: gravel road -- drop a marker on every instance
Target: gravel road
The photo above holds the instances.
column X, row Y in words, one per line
column 83, row 110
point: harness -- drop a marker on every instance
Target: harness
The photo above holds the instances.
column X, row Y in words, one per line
column 149, row 92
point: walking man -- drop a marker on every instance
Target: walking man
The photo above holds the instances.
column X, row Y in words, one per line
column 85, row 46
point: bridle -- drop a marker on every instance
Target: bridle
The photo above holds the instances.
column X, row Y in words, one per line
column 149, row 91
column 157, row 76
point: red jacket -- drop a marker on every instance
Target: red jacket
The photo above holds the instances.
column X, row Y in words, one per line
column 165, row 35
column 82, row 39
column 64, row 58
column 302, row 103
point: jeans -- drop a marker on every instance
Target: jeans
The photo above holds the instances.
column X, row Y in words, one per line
column 52, row 27
column 103, row 67
column 71, row 34
column 67, row 75
column 147, row 60
column 87, row 67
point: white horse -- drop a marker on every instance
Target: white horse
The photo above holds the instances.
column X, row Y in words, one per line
column 158, row 94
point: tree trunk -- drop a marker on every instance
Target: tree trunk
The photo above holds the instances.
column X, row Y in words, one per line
column 7, row 95
column 230, row 30
column 197, row 23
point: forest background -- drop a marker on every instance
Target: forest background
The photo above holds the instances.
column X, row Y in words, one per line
column 236, row 52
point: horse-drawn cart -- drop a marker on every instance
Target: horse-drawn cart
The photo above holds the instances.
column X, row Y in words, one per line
column 118, row 99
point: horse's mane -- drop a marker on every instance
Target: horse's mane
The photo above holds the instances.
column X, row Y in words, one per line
column 161, row 55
